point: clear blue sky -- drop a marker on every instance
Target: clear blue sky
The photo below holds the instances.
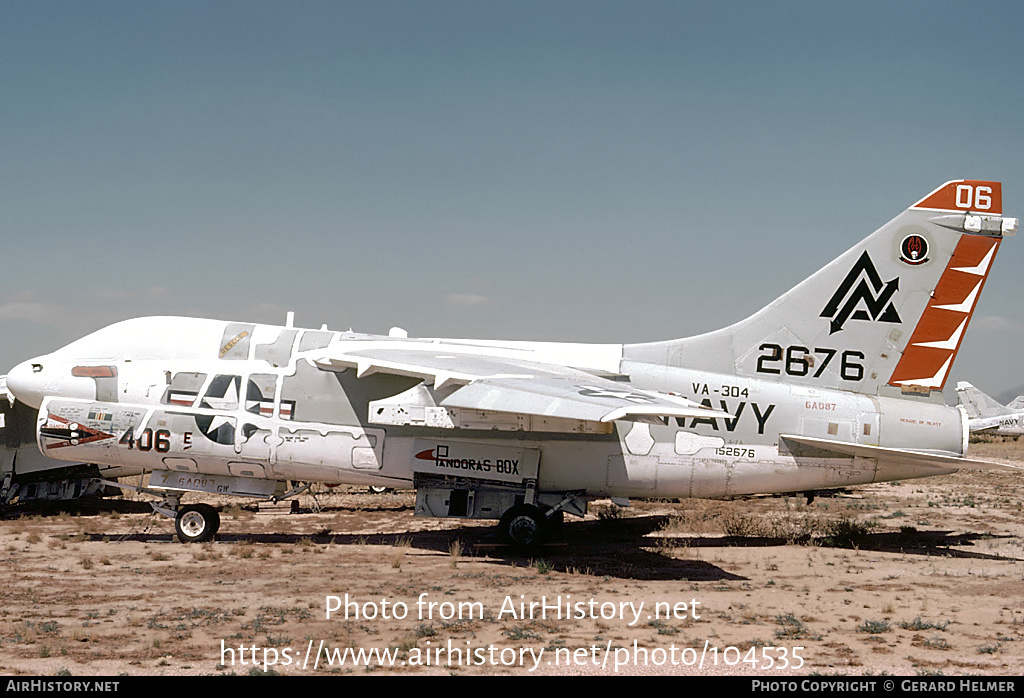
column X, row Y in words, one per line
column 580, row 171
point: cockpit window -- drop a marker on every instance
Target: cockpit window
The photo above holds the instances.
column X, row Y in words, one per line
column 183, row 389
column 222, row 393
column 259, row 394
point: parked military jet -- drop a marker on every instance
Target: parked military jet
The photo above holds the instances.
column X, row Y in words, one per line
column 836, row 383
column 987, row 416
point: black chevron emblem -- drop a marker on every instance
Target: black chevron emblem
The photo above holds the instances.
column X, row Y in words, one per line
column 862, row 296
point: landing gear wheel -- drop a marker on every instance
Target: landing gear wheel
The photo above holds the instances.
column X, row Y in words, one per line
column 196, row 523
column 522, row 525
column 214, row 516
column 378, row 489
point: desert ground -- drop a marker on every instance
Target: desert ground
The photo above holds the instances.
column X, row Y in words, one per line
column 919, row 577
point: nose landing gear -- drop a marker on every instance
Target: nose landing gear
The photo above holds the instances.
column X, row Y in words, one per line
column 196, row 523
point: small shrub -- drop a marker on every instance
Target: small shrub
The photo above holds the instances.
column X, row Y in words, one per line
column 845, row 532
column 874, row 627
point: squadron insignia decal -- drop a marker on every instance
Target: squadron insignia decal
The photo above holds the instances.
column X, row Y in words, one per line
column 66, row 433
column 875, row 295
column 914, row 250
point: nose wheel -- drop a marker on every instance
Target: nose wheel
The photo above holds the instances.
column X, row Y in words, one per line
column 196, row 523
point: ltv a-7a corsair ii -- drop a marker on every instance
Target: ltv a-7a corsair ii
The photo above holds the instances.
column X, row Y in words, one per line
column 836, row 383
column 986, row 416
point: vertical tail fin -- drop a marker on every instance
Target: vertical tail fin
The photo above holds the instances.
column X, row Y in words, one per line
column 978, row 404
column 886, row 317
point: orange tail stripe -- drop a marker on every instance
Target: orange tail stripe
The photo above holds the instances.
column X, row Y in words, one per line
column 944, row 321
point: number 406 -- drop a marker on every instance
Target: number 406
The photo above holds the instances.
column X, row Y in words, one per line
column 160, row 440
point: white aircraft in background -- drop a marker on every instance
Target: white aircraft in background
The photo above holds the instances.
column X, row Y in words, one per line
column 836, row 383
column 987, row 416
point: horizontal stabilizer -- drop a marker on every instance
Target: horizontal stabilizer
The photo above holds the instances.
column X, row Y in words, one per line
column 895, row 455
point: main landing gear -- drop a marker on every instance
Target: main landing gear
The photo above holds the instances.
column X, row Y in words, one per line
column 526, row 525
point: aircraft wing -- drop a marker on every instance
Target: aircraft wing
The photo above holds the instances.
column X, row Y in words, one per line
column 894, row 455
column 590, row 398
column 501, row 384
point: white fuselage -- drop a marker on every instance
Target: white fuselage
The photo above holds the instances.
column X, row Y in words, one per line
column 999, row 425
column 205, row 397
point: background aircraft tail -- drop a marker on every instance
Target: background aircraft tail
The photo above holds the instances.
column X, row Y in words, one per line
column 977, row 403
column 886, row 317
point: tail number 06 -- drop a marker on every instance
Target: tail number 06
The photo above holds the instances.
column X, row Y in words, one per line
column 796, row 360
column 979, row 198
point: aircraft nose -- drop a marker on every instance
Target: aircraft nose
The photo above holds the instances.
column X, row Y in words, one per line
column 27, row 381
